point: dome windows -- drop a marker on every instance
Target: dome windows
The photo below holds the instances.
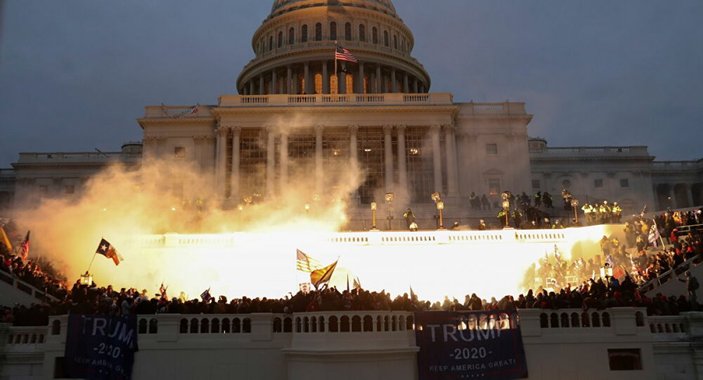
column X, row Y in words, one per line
column 333, row 31
column 362, row 33
column 348, row 31
column 304, row 34
column 318, row 32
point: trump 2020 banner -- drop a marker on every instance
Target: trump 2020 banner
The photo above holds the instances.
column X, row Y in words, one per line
column 100, row 346
column 469, row 345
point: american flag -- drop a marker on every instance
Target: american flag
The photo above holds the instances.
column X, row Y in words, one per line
column 305, row 263
column 342, row 54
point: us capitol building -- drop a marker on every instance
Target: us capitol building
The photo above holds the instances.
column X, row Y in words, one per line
column 300, row 113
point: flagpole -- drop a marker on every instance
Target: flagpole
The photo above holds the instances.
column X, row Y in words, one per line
column 91, row 262
column 660, row 235
column 335, row 66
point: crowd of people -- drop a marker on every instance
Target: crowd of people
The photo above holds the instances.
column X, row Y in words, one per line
column 593, row 294
column 31, row 272
column 644, row 255
column 610, row 280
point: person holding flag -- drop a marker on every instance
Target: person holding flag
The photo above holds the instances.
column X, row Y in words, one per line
column 24, row 248
column 205, row 296
column 654, row 235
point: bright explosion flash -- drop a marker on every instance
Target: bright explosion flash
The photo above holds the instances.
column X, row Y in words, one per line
column 188, row 245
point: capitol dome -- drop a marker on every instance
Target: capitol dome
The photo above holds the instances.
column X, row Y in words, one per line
column 295, row 50
column 385, row 6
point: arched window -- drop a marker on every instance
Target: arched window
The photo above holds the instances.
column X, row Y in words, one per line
column 362, row 33
column 356, row 323
column 318, row 32
column 395, row 42
column 386, row 42
column 374, row 35
column 304, row 34
column 270, row 43
column 333, row 31
column 347, row 31
column 291, row 36
column 279, row 42
column 153, row 326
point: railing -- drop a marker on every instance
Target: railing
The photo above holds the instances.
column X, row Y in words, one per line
column 615, row 151
column 341, row 322
column 177, row 112
column 214, row 324
column 364, row 238
column 671, row 274
column 676, row 165
column 330, row 99
column 81, row 157
column 534, row 322
column 539, row 236
column 577, row 318
column 660, row 325
column 25, row 287
column 26, row 335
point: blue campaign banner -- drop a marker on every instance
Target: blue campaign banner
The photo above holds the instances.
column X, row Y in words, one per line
column 469, row 345
column 100, row 346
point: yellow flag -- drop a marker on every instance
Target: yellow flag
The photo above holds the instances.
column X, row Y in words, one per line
column 5, row 240
column 322, row 275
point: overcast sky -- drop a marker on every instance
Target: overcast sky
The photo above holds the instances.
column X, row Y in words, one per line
column 76, row 74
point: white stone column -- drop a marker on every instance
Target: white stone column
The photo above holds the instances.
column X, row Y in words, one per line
column 689, row 195
column 234, row 181
column 436, row 157
column 274, row 82
column 402, row 158
column 283, row 169
column 406, row 84
column 394, row 86
column 220, row 164
column 354, row 156
column 325, row 78
column 450, row 145
column 307, row 88
column 341, row 82
column 388, row 157
column 359, row 83
column 270, row 161
column 379, row 80
column 318, row 159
